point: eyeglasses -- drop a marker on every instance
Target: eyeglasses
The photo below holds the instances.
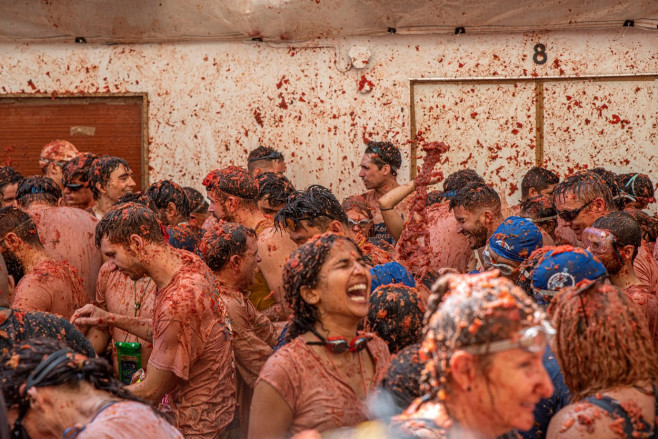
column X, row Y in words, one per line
column 533, row 339
column 570, row 215
column 504, row 268
column 597, row 240
column 339, row 345
column 361, row 223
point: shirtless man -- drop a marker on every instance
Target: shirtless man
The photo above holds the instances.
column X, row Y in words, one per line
column 75, row 180
column 9, row 180
column 264, row 159
column 66, row 233
column 53, row 158
column 192, row 358
column 110, row 178
column 233, row 196
column 379, row 169
column 273, row 192
column 47, row 285
column 231, row 252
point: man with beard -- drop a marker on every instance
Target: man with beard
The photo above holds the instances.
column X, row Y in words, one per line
column 110, row 178
column 615, row 239
column 47, row 285
column 477, row 210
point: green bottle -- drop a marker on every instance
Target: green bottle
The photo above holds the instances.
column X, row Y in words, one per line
column 129, row 356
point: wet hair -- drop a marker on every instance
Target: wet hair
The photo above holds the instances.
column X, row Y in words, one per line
column 38, row 189
column 402, row 378
column 475, row 196
column 638, row 186
column 124, row 220
column 17, row 369
column 539, row 179
column 475, row 310
column 434, row 197
column 316, row 204
column 8, row 175
column 223, row 241
column 524, row 281
column 261, row 153
column 274, row 187
column 234, row 181
column 587, row 186
column 627, row 231
column 603, row 339
column 395, row 314
column 357, row 203
column 166, row 191
column 648, row 224
column 139, row 198
column 101, row 169
column 303, row 270
column 198, row 203
column 611, row 180
column 12, row 219
column 541, row 206
column 78, row 167
column 460, row 179
column 385, row 153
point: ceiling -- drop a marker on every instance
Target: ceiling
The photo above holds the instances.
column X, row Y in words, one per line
column 147, row 21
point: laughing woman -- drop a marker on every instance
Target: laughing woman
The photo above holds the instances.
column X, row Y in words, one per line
column 320, row 379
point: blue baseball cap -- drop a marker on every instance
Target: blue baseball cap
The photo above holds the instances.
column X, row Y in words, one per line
column 565, row 266
column 515, row 238
column 390, row 273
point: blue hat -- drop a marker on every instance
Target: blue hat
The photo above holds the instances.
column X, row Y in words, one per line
column 515, row 238
column 390, row 273
column 565, row 266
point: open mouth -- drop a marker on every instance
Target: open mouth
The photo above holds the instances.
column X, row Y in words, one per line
column 358, row 293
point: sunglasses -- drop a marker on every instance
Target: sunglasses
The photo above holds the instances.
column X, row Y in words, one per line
column 73, row 187
column 340, row 345
column 504, row 268
column 533, row 339
column 276, row 155
column 570, row 215
column 361, row 223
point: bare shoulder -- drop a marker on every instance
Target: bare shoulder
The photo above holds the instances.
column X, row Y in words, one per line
column 582, row 420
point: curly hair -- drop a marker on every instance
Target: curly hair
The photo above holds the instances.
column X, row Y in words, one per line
column 460, row 179
column 475, row 196
column 124, row 220
column 385, row 153
column 8, row 175
column 166, row 191
column 223, row 241
column 476, row 310
column 316, row 204
column 602, row 339
column 78, row 167
column 638, row 186
column 101, row 169
column 274, row 187
column 303, row 270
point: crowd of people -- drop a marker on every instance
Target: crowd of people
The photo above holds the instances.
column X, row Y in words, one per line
column 258, row 310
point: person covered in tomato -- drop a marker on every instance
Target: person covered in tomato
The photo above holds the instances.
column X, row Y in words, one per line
column 273, row 192
column 75, row 180
column 9, row 180
column 321, row 378
column 639, row 189
column 111, row 178
column 511, row 243
column 484, row 371
column 606, row 353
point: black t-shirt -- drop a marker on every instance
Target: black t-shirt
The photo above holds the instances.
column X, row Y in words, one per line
column 23, row 325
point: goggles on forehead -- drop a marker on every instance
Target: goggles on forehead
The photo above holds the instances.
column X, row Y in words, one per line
column 275, row 155
column 504, row 268
column 533, row 339
column 598, row 240
column 361, row 223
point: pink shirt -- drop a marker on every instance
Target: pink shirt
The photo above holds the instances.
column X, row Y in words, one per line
column 645, row 297
column 192, row 339
column 319, row 398
column 646, row 267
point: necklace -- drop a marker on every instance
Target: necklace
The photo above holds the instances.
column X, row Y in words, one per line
column 363, row 374
column 138, row 305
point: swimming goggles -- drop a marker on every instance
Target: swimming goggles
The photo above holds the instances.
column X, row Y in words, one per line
column 533, row 339
column 487, row 260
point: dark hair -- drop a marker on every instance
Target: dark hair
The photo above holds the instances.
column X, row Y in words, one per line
column 123, row 220
column 38, row 189
column 358, row 203
column 587, row 186
column 460, row 179
column 638, row 186
column 648, row 224
column 234, row 181
column 396, row 315
column 8, row 175
column 627, row 231
column 139, row 198
column 402, row 378
column 166, row 191
column 434, row 197
column 475, row 196
column 12, row 219
column 69, row 368
column 78, row 167
column 594, row 356
column 101, row 169
column 316, row 204
column 198, row 203
column 526, row 268
column 385, row 153
column 223, row 241
column 275, row 186
column 262, row 153
column 303, row 270
column 539, row 179
column 538, row 207
column 612, row 181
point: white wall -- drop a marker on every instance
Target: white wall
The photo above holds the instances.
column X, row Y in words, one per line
column 204, row 97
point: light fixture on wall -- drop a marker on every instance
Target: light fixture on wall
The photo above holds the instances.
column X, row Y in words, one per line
column 81, row 40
